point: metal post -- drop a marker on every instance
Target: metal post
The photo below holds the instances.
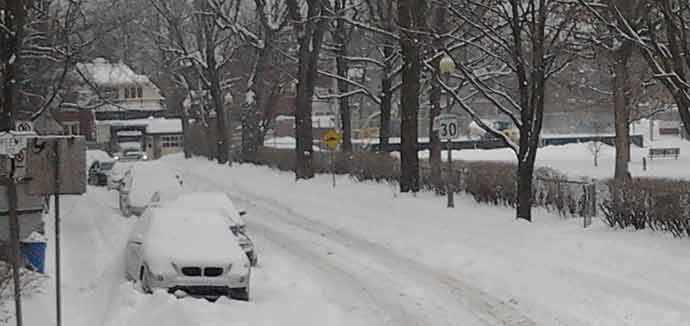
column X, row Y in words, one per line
column 58, row 275
column 14, row 243
column 449, row 178
column 333, row 166
column 449, row 181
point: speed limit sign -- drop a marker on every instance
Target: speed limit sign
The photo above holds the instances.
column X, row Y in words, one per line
column 447, row 127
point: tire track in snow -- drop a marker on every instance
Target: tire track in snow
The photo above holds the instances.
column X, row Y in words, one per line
column 485, row 308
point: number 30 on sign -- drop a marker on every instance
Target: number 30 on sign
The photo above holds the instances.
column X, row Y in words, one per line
column 447, row 126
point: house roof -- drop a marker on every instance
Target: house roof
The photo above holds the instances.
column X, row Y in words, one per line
column 104, row 73
column 152, row 125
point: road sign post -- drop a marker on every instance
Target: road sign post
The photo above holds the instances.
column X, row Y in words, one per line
column 447, row 127
column 332, row 138
column 10, row 146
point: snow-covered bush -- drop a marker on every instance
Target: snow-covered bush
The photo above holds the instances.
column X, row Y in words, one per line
column 657, row 204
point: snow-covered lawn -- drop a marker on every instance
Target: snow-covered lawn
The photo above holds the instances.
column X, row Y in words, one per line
column 552, row 270
column 578, row 161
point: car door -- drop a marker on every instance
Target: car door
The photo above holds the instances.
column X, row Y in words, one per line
column 135, row 247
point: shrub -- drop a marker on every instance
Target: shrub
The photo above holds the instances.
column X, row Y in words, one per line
column 658, row 204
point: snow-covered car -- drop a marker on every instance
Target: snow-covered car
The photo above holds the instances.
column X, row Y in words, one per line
column 187, row 252
column 220, row 203
column 145, row 183
column 99, row 166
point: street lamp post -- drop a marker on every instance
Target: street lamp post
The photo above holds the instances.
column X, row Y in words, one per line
column 447, row 67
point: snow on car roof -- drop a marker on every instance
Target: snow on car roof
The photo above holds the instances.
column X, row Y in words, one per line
column 192, row 237
column 149, row 178
column 93, row 156
column 209, row 201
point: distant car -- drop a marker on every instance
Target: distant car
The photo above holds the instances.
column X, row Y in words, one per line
column 221, row 204
column 100, row 164
column 187, row 252
column 145, row 183
column 131, row 154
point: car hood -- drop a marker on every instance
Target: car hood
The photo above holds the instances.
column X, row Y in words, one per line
column 196, row 251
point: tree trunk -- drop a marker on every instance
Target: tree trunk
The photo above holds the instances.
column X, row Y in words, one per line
column 222, row 149
column 408, row 12
column 311, row 33
column 252, row 135
column 341, row 39
column 524, row 188
column 621, row 111
column 386, row 100
column 439, row 18
column 184, row 117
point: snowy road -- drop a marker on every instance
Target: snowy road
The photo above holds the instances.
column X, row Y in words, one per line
column 404, row 292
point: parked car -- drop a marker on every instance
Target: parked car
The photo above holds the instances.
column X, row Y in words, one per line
column 100, row 164
column 145, row 183
column 220, row 203
column 187, row 252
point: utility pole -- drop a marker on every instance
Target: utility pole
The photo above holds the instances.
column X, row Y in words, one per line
column 14, row 19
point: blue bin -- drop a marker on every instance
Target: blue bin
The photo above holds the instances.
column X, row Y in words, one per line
column 34, row 253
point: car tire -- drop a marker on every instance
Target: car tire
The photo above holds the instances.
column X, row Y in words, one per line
column 241, row 294
column 144, row 276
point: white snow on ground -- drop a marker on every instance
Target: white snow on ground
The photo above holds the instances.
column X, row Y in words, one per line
column 363, row 254
column 552, row 270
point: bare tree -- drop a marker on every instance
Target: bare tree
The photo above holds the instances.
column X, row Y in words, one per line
column 529, row 42
column 264, row 82
column 310, row 29
column 661, row 34
column 412, row 19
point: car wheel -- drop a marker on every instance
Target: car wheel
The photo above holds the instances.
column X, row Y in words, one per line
column 241, row 294
column 144, row 277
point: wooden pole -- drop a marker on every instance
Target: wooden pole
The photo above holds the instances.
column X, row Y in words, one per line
column 14, row 243
column 58, row 275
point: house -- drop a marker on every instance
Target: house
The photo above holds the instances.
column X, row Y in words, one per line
column 108, row 91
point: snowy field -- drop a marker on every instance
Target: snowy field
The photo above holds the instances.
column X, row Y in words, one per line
column 578, row 161
column 363, row 254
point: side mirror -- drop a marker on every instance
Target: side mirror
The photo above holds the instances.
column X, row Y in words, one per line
column 242, row 213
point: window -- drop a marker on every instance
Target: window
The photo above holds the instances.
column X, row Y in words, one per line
column 126, row 92
column 140, row 92
column 132, row 92
column 71, row 128
column 171, row 141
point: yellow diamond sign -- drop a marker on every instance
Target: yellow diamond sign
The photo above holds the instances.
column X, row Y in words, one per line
column 332, row 139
